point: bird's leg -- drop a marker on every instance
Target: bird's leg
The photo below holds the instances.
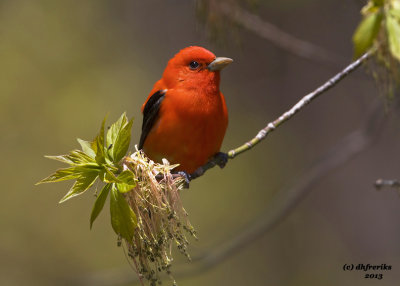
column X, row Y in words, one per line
column 187, row 178
column 220, row 159
column 199, row 172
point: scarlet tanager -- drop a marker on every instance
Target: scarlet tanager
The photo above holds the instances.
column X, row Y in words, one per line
column 185, row 116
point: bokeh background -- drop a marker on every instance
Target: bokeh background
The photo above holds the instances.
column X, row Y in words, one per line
column 64, row 65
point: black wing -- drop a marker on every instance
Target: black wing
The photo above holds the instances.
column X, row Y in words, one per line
column 150, row 114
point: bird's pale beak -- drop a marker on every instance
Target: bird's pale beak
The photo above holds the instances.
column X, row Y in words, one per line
column 219, row 63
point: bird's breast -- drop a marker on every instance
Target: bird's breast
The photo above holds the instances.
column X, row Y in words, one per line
column 190, row 128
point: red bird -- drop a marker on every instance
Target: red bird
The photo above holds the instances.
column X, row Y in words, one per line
column 185, row 116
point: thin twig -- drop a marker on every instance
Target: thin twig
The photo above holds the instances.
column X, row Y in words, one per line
column 298, row 106
column 291, row 112
column 279, row 208
column 286, row 200
column 381, row 183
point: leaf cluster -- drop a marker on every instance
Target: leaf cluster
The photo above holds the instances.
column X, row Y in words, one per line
column 380, row 25
column 145, row 207
column 380, row 29
column 367, row 31
column 101, row 159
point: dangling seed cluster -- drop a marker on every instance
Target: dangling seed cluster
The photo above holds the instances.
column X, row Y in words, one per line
column 161, row 219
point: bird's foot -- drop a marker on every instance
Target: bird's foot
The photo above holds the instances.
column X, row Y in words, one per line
column 220, row 159
column 187, row 177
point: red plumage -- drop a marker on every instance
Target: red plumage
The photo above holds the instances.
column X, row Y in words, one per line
column 188, row 123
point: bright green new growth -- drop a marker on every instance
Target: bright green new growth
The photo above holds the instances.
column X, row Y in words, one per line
column 101, row 159
column 380, row 28
column 367, row 32
column 144, row 197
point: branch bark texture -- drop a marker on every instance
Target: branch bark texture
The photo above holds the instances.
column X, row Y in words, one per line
column 286, row 200
column 278, row 209
column 262, row 134
column 298, row 106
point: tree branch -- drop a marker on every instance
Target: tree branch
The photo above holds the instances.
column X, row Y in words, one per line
column 298, row 106
column 290, row 113
column 381, row 183
column 279, row 208
column 286, row 200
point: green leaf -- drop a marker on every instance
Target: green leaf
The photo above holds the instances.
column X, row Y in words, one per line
column 80, row 157
column 127, row 180
column 366, row 33
column 70, row 173
column 61, row 158
column 127, row 177
column 76, row 157
column 378, row 3
column 393, row 31
column 369, row 8
column 121, row 146
column 83, row 183
column 108, row 175
column 124, row 188
column 395, row 13
column 114, row 129
column 87, row 148
column 118, row 138
column 98, row 144
column 99, row 204
column 61, row 175
column 123, row 219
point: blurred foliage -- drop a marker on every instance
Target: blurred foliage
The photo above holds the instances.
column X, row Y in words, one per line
column 65, row 64
column 59, row 68
column 221, row 29
column 380, row 28
column 145, row 212
column 220, row 26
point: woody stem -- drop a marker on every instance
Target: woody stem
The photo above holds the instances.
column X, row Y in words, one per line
column 300, row 105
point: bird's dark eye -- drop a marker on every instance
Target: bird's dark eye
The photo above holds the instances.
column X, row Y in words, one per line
column 194, row 65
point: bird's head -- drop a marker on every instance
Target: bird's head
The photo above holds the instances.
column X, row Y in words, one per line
column 194, row 66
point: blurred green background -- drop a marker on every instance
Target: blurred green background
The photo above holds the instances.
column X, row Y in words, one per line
column 64, row 65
